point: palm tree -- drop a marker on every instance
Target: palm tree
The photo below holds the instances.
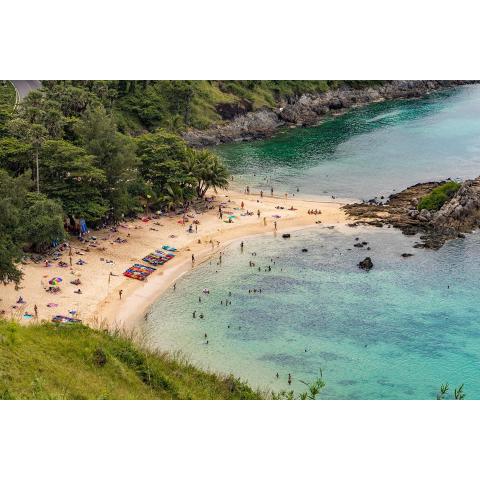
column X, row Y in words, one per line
column 210, row 172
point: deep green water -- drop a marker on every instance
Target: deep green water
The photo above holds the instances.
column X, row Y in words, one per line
column 398, row 331
column 369, row 151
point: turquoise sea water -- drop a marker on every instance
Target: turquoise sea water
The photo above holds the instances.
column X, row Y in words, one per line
column 369, row 151
column 398, row 331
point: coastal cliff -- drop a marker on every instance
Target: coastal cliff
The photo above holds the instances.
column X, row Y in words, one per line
column 459, row 214
column 308, row 109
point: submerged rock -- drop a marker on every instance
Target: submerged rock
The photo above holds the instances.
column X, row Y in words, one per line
column 286, row 235
column 405, row 255
column 366, row 264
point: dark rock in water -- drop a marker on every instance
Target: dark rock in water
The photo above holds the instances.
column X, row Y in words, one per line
column 357, row 239
column 461, row 235
column 405, row 255
column 368, row 248
column 364, row 243
column 304, row 249
column 358, row 245
column 366, row 264
column 286, row 235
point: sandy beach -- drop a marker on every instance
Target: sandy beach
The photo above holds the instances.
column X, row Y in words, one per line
column 101, row 275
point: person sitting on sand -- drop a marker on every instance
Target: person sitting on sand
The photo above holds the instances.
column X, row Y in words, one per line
column 78, row 291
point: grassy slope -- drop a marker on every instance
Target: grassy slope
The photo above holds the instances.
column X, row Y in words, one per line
column 7, row 95
column 65, row 362
column 206, row 95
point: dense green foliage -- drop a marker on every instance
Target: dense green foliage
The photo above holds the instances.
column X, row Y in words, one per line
column 76, row 362
column 438, row 196
column 176, row 105
column 63, row 158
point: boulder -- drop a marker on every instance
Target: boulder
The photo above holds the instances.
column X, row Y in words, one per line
column 366, row 264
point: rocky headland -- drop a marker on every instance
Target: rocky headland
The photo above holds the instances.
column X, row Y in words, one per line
column 306, row 110
column 458, row 215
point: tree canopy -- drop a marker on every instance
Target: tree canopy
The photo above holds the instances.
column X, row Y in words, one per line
column 63, row 155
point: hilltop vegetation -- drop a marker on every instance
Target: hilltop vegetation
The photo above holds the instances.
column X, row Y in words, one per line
column 76, row 362
column 177, row 105
column 438, row 196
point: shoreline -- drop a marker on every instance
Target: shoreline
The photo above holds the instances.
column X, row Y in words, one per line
column 99, row 305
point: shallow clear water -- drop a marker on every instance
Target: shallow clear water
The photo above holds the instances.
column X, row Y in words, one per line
column 398, row 331
column 369, row 151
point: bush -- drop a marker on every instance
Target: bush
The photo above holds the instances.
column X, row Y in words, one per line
column 438, row 196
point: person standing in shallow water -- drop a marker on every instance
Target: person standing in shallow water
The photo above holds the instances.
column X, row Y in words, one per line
column 241, row 247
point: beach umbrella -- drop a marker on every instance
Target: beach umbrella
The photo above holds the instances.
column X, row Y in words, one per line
column 55, row 281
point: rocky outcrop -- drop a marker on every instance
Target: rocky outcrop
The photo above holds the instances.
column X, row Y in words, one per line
column 307, row 109
column 250, row 126
column 459, row 215
column 366, row 264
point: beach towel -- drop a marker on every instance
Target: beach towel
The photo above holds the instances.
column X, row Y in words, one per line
column 168, row 248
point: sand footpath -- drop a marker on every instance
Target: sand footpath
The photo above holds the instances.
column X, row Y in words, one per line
column 102, row 277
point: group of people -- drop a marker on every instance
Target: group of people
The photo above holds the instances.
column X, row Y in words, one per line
column 314, row 212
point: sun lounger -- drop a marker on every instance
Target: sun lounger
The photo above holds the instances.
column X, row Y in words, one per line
column 139, row 272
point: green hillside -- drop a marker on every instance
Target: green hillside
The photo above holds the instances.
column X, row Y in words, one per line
column 76, row 362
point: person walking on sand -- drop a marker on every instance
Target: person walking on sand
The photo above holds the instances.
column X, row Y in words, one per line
column 275, row 225
column 242, row 205
column 258, row 214
column 193, row 258
column 264, row 221
column 35, row 309
column 241, row 246
column 271, row 191
column 248, row 190
column 261, row 193
column 120, row 294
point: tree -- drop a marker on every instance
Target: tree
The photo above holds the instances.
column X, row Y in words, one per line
column 12, row 196
column 114, row 153
column 210, row 172
column 33, row 133
column 70, row 176
column 42, row 222
column 163, row 158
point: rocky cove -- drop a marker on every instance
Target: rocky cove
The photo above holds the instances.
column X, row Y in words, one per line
column 457, row 216
column 243, row 124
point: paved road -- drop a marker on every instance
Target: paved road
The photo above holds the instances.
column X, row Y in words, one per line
column 25, row 86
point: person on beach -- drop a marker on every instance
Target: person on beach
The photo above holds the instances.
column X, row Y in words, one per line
column 261, row 193
column 193, row 258
column 120, row 294
column 275, row 225
column 271, row 191
column 35, row 309
column 248, row 190
column 258, row 214
column 194, row 313
column 264, row 221
column 241, row 247
column 196, row 228
column 286, row 195
column 242, row 205
column 289, row 379
column 174, row 286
